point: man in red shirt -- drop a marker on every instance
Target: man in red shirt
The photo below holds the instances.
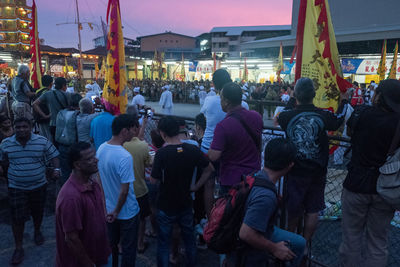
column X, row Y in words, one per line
column 81, row 231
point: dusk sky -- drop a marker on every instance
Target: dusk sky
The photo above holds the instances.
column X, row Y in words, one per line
column 155, row 16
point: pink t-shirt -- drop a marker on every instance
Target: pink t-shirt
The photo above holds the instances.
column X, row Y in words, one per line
column 81, row 208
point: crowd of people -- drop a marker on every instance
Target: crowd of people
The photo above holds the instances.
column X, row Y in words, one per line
column 124, row 178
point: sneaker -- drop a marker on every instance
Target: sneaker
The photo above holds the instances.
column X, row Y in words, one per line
column 17, row 257
column 39, row 238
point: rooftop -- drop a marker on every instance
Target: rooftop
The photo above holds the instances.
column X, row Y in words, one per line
column 342, row 36
column 238, row 30
column 167, row 32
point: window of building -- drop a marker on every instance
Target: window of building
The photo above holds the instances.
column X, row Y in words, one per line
column 160, row 41
column 233, row 38
column 176, row 41
column 166, row 41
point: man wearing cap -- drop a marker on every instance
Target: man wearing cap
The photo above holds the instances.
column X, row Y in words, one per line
column 166, row 101
column 202, row 95
column 138, row 99
column 211, row 92
column 372, row 129
column 90, row 92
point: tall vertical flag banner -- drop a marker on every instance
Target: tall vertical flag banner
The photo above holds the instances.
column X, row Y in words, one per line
column 279, row 68
column 215, row 62
column 136, row 70
column 65, row 68
column 36, row 62
column 382, row 63
column 392, row 73
column 245, row 71
column 317, row 54
column 103, row 69
column 183, row 75
column 153, row 64
column 96, row 69
column 114, row 93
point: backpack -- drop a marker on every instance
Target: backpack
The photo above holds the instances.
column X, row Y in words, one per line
column 222, row 230
column 388, row 184
column 43, row 107
column 66, row 127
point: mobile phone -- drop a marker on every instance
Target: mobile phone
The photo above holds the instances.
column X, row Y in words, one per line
column 149, row 113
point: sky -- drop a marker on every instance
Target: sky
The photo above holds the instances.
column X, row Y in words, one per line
column 147, row 17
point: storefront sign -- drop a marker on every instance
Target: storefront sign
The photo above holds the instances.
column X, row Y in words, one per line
column 193, row 66
column 364, row 66
column 204, row 68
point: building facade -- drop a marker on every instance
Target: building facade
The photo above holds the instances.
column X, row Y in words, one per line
column 173, row 45
column 15, row 16
column 226, row 41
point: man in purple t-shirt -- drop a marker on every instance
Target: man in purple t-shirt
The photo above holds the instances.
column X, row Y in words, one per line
column 81, row 231
column 237, row 139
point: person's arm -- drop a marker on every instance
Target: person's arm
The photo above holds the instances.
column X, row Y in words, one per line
column 28, row 91
column 123, row 194
column 77, row 249
column 256, row 240
column 214, row 155
column 143, row 128
column 218, row 143
column 204, row 177
column 55, row 162
column 335, row 120
column 36, row 107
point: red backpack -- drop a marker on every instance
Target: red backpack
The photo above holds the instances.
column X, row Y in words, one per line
column 222, row 230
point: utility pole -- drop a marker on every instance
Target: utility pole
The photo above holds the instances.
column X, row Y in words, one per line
column 80, row 69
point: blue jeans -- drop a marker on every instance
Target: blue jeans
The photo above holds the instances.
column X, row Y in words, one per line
column 296, row 243
column 125, row 231
column 165, row 225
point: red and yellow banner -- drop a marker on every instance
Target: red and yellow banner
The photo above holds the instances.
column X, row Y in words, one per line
column 317, row 53
column 36, row 62
column 183, row 74
column 392, row 73
column 245, row 71
column 114, row 93
column 279, row 68
column 382, row 63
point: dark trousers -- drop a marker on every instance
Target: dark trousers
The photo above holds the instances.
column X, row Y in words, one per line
column 126, row 232
column 165, row 225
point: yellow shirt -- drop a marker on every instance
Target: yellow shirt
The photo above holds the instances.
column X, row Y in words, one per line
column 140, row 154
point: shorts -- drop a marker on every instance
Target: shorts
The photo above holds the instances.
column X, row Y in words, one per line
column 22, row 109
column 305, row 194
column 144, row 205
column 26, row 203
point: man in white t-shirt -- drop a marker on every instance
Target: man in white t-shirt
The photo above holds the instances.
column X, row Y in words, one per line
column 117, row 176
column 138, row 99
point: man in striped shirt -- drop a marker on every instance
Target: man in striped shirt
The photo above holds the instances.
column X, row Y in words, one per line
column 26, row 155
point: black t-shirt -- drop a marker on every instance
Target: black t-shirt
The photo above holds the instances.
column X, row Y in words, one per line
column 306, row 127
column 174, row 166
column 371, row 138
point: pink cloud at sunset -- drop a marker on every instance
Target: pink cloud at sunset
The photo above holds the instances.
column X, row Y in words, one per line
column 154, row 16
